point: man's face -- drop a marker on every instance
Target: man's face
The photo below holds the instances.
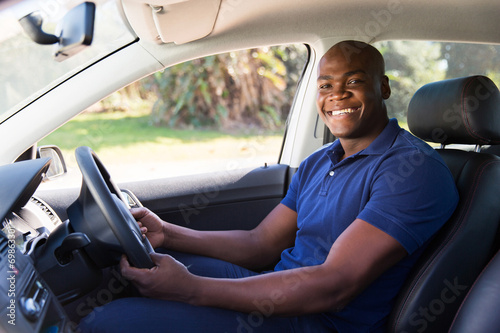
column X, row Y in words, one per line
column 350, row 95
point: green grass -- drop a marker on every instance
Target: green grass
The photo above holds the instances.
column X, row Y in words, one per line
column 111, row 130
column 129, row 143
column 105, row 130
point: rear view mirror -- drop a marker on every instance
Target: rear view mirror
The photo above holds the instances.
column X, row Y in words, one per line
column 73, row 33
column 76, row 30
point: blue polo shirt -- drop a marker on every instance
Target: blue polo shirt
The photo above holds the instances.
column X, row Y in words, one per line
column 399, row 184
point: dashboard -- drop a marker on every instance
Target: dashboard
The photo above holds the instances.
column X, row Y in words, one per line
column 27, row 302
column 31, row 224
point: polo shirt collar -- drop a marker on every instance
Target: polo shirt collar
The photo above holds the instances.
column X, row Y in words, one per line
column 379, row 146
column 385, row 139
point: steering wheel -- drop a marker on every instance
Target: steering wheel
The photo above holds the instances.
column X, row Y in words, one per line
column 102, row 214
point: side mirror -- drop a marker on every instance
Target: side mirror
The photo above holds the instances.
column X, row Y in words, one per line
column 57, row 165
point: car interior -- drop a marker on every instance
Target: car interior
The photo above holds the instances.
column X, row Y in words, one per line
column 460, row 250
column 455, row 285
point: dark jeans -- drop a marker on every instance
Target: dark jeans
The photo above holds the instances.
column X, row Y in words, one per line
column 139, row 314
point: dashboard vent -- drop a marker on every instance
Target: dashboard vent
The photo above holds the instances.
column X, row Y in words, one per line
column 47, row 210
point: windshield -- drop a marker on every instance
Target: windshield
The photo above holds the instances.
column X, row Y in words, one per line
column 28, row 70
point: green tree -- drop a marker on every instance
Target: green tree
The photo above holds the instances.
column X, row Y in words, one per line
column 250, row 87
column 472, row 59
column 409, row 65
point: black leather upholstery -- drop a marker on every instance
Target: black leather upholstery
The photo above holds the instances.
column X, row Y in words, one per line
column 453, row 111
column 495, row 150
column 480, row 312
column 443, row 275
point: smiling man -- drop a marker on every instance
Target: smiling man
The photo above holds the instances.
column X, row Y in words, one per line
column 351, row 93
column 345, row 236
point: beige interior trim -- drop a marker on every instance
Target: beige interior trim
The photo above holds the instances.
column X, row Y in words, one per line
column 172, row 21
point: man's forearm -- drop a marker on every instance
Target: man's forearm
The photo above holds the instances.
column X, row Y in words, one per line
column 292, row 292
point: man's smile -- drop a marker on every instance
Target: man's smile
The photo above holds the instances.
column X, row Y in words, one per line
column 342, row 111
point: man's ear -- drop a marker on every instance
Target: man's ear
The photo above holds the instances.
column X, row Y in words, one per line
column 385, row 87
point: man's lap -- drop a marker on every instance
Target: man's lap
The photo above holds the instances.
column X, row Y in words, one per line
column 152, row 315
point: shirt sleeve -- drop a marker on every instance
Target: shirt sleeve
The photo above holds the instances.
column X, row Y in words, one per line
column 412, row 196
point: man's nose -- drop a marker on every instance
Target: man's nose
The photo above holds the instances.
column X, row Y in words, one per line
column 337, row 93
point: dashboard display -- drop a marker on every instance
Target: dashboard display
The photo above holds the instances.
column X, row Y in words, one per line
column 35, row 220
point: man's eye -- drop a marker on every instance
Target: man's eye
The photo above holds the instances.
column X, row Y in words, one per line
column 354, row 81
column 325, row 86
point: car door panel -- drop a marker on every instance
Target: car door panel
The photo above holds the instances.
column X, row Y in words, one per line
column 236, row 199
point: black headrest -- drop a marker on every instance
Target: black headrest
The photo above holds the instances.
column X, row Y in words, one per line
column 464, row 111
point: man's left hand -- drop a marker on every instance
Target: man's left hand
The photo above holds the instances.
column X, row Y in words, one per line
column 168, row 279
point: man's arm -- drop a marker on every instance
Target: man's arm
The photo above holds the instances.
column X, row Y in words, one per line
column 253, row 249
column 357, row 258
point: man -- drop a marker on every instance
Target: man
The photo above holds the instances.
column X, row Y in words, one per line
column 356, row 217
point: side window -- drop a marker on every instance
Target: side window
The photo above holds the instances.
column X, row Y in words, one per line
column 411, row 64
column 216, row 113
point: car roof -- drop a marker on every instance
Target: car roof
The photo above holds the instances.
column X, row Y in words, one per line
column 238, row 23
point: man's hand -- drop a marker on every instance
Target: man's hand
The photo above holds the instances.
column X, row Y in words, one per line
column 151, row 226
column 168, row 279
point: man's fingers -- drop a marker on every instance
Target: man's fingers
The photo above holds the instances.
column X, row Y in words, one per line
column 138, row 274
column 138, row 213
column 165, row 259
column 125, row 268
column 129, row 272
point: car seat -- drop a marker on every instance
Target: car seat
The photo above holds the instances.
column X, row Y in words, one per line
column 481, row 308
column 457, row 111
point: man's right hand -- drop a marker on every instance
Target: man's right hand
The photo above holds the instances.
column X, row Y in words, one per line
column 151, row 226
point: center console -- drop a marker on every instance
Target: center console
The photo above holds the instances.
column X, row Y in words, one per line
column 26, row 302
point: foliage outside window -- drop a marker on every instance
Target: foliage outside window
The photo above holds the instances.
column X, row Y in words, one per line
column 411, row 64
column 244, row 89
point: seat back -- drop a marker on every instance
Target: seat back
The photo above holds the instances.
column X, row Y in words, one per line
column 458, row 111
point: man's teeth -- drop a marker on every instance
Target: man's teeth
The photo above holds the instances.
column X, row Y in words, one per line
column 343, row 111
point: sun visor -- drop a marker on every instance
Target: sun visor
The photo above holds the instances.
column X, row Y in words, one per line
column 172, row 21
